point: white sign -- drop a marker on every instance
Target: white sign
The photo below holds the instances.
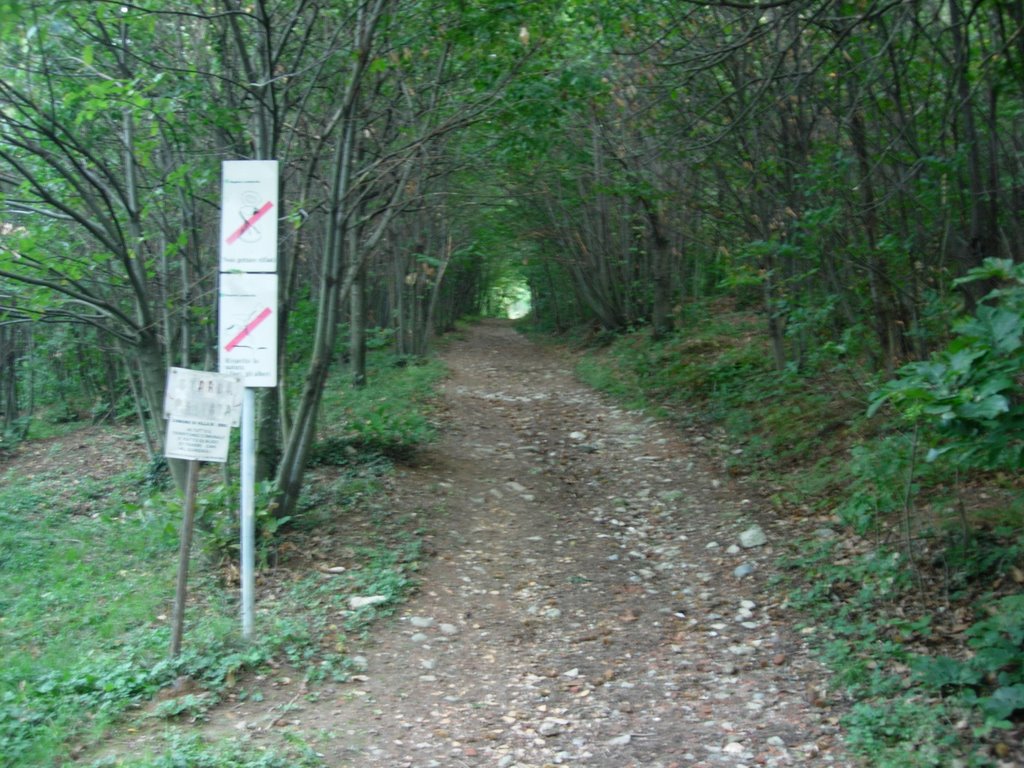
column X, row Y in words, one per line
column 203, row 395
column 247, row 328
column 197, row 440
column 200, row 407
column 248, row 216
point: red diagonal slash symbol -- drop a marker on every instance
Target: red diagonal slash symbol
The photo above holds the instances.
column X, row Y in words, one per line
column 250, row 222
column 248, row 329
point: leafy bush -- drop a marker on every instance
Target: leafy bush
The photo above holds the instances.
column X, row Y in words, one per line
column 992, row 679
column 389, row 429
column 217, row 519
column 968, row 393
column 386, row 418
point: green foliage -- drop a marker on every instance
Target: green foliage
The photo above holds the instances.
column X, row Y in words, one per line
column 387, row 418
column 899, row 733
column 716, row 370
column 217, row 520
column 75, row 628
column 883, row 476
column 85, row 598
column 870, row 643
column 387, row 428
column 967, row 394
column 703, row 364
column 980, row 555
column 998, row 640
column 301, row 332
column 193, row 751
column 991, row 679
column 904, row 697
column 87, row 572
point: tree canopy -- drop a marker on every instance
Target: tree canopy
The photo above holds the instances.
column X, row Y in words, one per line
column 834, row 165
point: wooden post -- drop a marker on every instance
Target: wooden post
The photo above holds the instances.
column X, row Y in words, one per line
column 187, row 524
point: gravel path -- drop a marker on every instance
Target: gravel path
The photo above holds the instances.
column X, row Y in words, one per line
column 590, row 602
column 600, row 594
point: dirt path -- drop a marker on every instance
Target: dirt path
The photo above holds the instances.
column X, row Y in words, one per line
column 583, row 607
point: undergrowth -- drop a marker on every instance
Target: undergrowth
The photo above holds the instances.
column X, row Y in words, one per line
column 87, row 581
column 192, row 751
column 918, row 605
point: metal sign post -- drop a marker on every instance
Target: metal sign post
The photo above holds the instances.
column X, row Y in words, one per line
column 247, row 568
column 247, row 324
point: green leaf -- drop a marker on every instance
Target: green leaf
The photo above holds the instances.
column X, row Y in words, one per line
column 935, row 453
column 941, row 671
column 985, row 409
column 994, row 326
column 1004, row 701
column 960, row 361
column 992, row 269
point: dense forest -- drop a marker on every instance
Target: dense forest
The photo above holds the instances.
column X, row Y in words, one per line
column 837, row 166
column 816, row 205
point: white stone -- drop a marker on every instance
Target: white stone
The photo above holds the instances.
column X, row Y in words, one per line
column 754, row 536
column 552, row 726
column 355, row 603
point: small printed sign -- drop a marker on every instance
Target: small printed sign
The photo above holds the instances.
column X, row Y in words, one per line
column 247, row 328
column 197, row 440
column 248, row 216
column 203, row 395
column 200, row 408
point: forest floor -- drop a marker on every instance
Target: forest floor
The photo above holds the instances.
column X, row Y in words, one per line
column 587, row 599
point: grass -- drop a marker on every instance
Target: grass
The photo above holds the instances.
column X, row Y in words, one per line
column 71, row 624
column 191, row 751
column 389, row 422
column 87, row 578
column 718, row 373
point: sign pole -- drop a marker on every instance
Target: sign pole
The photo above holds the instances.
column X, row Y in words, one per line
column 247, row 325
column 248, row 510
column 185, row 545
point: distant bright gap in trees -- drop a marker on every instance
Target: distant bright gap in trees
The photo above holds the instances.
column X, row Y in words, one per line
column 510, row 298
column 519, row 305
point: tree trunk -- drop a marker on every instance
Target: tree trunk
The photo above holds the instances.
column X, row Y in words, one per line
column 428, row 323
column 981, row 236
column 153, row 378
column 357, row 329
